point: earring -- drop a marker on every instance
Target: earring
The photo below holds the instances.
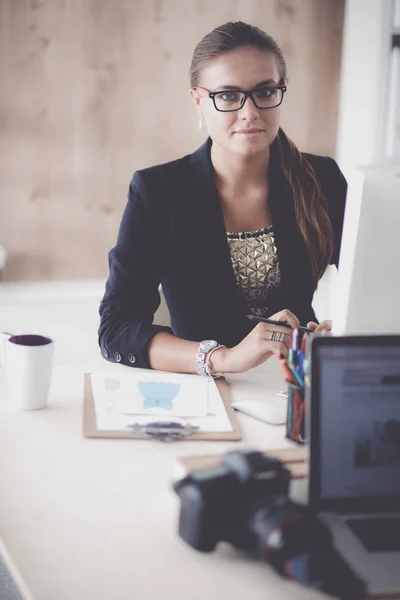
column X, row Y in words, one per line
column 201, row 122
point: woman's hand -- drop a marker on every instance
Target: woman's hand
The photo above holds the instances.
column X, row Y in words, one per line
column 257, row 346
column 323, row 326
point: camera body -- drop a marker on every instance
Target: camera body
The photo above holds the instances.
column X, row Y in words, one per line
column 231, row 502
column 245, row 502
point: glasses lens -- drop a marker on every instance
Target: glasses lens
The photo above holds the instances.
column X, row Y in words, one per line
column 226, row 101
column 267, row 97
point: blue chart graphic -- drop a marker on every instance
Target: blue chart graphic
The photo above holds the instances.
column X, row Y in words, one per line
column 158, row 394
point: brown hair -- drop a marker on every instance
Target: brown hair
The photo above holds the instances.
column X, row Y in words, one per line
column 310, row 204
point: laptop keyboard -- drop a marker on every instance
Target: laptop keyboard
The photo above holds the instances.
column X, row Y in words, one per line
column 377, row 534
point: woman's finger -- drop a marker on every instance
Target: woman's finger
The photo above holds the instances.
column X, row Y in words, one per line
column 278, row 334
column 267, row 329
column 279, row 345
column 281, row 348
column 324, row 325
column 288, row 342
column 286, row 315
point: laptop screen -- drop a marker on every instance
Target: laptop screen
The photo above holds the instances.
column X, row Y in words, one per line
column 358, row 396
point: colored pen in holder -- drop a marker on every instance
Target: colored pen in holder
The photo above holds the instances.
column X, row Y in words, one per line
column 295, row 419
column 294, row 368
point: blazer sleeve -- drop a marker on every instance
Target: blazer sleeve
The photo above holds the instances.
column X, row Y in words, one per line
column 335, row 192
column 131, row 296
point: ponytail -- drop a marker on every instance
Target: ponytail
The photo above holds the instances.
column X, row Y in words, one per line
column 311, row 207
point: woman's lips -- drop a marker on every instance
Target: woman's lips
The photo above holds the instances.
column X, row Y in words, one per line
column 249, row 131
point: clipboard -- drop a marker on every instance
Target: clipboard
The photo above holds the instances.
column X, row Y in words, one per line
column 90, row 425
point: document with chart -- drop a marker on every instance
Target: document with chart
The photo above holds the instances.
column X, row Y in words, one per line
column 143, row 396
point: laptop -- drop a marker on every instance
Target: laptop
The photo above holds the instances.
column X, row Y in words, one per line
column 354, row 422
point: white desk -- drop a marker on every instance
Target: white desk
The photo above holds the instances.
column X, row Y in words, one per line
column 93, row 519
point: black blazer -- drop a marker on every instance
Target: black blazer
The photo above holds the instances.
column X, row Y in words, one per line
column 172, row 232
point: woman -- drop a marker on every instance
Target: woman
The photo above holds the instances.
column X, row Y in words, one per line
column 246, row 224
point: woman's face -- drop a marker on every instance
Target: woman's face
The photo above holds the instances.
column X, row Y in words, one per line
column 249, row 130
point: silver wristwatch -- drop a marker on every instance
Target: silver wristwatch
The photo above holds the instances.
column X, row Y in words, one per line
column 204, row 347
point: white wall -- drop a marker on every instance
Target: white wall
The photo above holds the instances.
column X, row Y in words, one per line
column 364, row 83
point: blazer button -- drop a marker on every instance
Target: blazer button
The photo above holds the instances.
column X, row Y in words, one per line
column 132, row 358
column 106, row 353
column 117, row 356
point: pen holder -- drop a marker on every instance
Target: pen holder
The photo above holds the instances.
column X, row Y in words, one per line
column 295, row 418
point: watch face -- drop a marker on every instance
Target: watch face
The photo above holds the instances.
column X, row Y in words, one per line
column 207, row 345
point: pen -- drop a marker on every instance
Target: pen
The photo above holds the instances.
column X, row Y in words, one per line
column 300, row 362
column 281, row 323
column 296, row 374
column 295, row 340
column 303, row 345
column 292, row 357
column 286, row 371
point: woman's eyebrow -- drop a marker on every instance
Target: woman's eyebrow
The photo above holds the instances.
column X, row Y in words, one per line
column 235, row 87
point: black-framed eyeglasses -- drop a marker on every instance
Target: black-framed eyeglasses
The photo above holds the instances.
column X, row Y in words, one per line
column 263, row 98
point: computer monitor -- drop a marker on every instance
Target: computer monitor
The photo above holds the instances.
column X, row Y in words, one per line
column 367, row 289
column 355, row 423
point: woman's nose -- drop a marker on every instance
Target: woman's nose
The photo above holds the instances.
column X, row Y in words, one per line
column 249, row 109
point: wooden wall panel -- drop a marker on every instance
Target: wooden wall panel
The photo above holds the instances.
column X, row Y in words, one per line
column 92, row 90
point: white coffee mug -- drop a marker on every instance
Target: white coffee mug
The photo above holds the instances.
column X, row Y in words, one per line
column 27, row 360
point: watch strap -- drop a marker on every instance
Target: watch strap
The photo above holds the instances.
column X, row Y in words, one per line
column 208, row 365
column 201, row 354
column 201, row 361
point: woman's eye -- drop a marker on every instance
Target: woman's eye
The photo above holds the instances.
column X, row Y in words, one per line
column 265, row 93
column 229, row 96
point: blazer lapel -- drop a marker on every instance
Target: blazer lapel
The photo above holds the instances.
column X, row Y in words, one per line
column 215, row 249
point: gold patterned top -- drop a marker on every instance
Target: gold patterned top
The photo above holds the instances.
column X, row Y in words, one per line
column 255, row 263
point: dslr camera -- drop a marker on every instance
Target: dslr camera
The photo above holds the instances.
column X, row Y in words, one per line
column 244, row 501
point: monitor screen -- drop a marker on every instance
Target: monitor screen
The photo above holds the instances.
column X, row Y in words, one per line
column 359, row 420
column 367, row 289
